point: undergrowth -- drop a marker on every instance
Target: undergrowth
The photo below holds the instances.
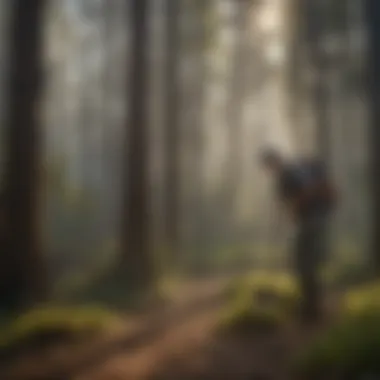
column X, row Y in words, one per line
column 351, row 349
column 112, row 288
column 50, row 324
column 260, row 301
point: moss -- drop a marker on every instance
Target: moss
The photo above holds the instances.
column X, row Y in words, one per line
column 249, row 318
column 261, row 301
column 45, row 324
column 362, row 299
column 261, row 287
column 351, row 348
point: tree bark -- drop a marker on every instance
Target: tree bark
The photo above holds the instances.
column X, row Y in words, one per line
column 23, row 262
column 294, row 69
column 372, row 11
column 234, row 106
column 172, row 128
column 194, row 121
column 137, row 260
column 318, row 65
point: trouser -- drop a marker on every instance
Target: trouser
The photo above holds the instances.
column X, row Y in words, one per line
column 311, row 248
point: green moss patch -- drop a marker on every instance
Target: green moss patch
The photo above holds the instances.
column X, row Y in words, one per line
column 46, row 325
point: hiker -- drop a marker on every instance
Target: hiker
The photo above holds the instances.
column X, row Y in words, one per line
column 309, row 197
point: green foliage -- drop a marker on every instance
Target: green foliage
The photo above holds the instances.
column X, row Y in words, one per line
column 111, row 287
column 348, row 267
column 349, row 350
column 49, row 323
column 262, row 302
column 280, row 286
column 244, row 317
column 346, row 274
column 352, row 348
column 362, row 299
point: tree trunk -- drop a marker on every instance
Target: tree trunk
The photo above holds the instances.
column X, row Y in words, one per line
column 319, row 91
column 373, row 23
column 293, row 71
column 194, row 122
column 171, row 126
column 234, row 106
column 136, row 250
column 24, row 277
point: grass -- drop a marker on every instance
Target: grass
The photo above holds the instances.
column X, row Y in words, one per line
column 262, row 301
column 44, row 325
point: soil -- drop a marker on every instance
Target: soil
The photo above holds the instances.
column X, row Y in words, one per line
column 177, row 343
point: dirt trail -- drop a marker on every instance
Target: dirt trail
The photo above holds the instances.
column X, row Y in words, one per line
column 177, row 343
column 65, row 361
column 190, row 351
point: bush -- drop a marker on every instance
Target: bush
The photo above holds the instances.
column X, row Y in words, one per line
column 247, row 317
column 263, row 287
column 352, row 348
column 50, row 324
column 347, row 351
column 362, row 299
column 262, row 301
column 346, row 274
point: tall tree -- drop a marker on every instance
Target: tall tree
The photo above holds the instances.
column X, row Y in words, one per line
column 136, row 250
column 293, row 69
column 195, row 85
column 372, row 10
column 171, row 127
column 234, row 107
column 314, row 13
column 23, row 263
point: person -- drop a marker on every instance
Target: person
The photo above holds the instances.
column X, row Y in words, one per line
column 309, row 196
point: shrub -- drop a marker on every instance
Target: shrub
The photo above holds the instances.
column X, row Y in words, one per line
column 261, row 287
column 249, row 318
column 262, row 301
column 349, row 350
column 49, row 324
column 347, row 274
column 362, row 299
column 352, row 348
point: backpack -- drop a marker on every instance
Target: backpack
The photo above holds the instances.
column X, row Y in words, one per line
column 318, row 172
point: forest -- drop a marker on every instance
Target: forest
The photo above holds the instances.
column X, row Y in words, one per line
column 142, row 237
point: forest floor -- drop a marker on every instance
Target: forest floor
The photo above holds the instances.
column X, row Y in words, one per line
column 175, row 343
